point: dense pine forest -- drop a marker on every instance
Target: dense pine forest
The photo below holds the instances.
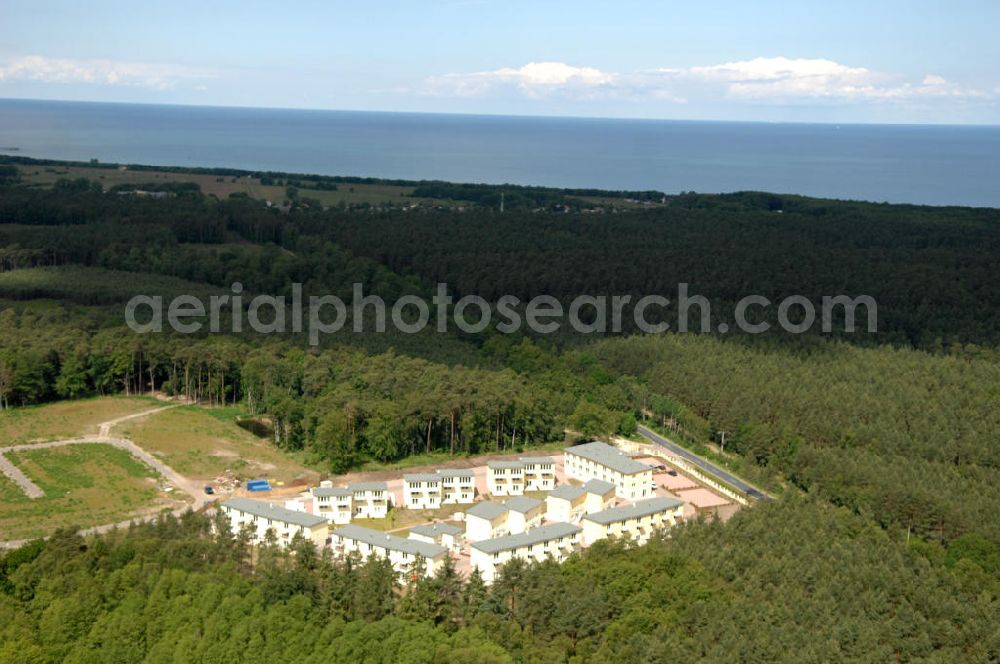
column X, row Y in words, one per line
column 798, row 581
column 884, row 449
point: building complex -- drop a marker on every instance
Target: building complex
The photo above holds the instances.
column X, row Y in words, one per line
column 333, row 502
column 555, row 540
column 539, row 473
column 599, row 461
column 523, row 513
column 505, row 478
column 422, row 491
column 457, row 486
column 637, row 521
column 258, row 517
column 370, row 500
column 447, row 535
column 485, row 520
column 405, row 555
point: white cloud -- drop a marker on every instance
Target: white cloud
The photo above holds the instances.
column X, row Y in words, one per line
column 97, row 72
column 800, row 77
column 804, row 78
column 534, row 79
column 779, row 79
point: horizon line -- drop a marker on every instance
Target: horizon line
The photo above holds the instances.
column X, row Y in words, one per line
column 501, row 115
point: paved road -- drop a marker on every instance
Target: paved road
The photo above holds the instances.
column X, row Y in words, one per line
column 707, row 466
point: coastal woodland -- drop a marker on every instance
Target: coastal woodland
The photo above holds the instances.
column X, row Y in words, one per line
column 882, row 449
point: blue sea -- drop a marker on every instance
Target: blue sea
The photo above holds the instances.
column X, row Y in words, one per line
column 929, row 164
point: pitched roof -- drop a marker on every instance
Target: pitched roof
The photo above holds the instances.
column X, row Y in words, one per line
column 368, row 486
column 390, row 542
column 567, row 492
column 487, row 510
column 531, row 537
column 522, row 504
column 504, row 464
column 274, row 512
column 531, row 460
column 600, row 487
column 456, row 472
column 330, row 491
column 635, row 510
column 609, row 456
column 421, row 477
column 435, row 529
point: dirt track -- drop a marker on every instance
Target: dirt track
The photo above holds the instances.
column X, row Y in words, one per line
column 191, row 487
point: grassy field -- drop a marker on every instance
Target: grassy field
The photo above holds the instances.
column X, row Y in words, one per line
column 224, row 186
column 66, row 419
column 204, row 443
column 10, row 493
column 45, row 176
column 347, row 193
column 85, row 485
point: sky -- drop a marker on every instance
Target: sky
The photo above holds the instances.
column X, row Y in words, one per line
column 879, row 61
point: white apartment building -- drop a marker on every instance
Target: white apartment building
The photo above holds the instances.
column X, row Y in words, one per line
column 567, row 503
column 539, row 473
column 259, row 517
column 523, row 513
column 485, row 520
column 402, row 553
column 557, row 540
column 600, row 461
column 570, row 503
column 333, row 502
column 422, row 491
column 457, row 486
column 600, row 496
column 370, row 500
column 637, row 521
column 447, row 535
column 505, row 478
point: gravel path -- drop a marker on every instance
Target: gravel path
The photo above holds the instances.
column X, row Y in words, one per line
column 192, row 488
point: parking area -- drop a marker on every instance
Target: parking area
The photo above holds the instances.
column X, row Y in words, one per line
column 698, row 498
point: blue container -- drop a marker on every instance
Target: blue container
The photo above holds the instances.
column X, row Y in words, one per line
column 258, row 485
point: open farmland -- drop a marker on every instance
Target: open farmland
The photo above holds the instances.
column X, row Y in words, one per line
column 223, row 186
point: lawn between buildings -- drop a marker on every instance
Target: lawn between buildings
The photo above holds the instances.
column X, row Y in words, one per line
column 400, row 519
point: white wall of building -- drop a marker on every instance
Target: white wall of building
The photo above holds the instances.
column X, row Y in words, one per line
column 458, row 489
column 634, row 486
column 401, row 562
column 505, row 481
column 477, row 528
column 422, row 494
column 284, row 532
column 489, row 564
column 370, row 503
